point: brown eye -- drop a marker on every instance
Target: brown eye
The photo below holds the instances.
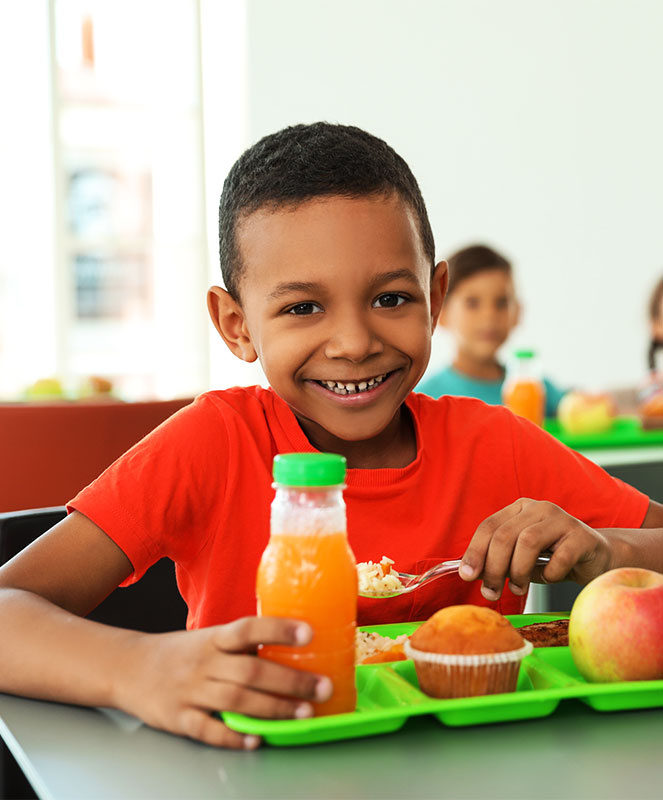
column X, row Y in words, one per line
column 390, row 300
column 304, row 309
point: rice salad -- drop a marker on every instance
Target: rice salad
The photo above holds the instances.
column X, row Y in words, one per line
column 376, row 577
column 372, row 648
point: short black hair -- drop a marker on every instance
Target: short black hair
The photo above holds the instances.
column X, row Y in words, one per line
column 302, row 162
column 655, row 300
column 471, row 260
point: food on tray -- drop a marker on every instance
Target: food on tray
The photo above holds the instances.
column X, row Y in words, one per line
column 547, row 634
column 616, row 626
column 582, row 412
column 378, row 578
column 372, row 648
column 463, row 651
column 651, row 411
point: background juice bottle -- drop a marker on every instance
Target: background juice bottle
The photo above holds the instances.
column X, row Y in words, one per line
column 308, row 571
column 523, row 390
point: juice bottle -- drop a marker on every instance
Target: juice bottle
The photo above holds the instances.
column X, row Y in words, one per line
column 523, row 391
column 308, row 572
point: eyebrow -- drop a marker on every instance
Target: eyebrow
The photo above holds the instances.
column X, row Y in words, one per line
column 308, row 287
column 395, row 275
column 294, row 286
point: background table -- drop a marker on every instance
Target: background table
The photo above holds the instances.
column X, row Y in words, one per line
column 627, row 452
column 72, row 753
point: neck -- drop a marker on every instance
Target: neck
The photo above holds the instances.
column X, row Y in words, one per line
column 394, row 448
column 488, row 369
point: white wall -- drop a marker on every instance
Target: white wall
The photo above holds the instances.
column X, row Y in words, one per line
column 534, row 126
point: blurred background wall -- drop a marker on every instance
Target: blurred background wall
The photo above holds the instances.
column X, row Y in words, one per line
column 534, row 126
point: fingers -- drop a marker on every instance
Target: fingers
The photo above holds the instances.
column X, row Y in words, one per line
column 268, row 676
column 475, row 556
column 242, row 699
column 200, row 725
column 508, row 543
column 245, row 634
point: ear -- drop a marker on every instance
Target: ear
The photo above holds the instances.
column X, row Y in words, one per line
column 438, row 290
column 229, row 320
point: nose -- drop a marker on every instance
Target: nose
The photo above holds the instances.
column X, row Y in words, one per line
column 353, row 339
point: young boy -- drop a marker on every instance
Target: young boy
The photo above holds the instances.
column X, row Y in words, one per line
column 479, row 311
column 328, row 260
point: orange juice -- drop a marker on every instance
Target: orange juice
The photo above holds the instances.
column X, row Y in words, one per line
column 523, row 391
column 308, row 572
column 527, row 398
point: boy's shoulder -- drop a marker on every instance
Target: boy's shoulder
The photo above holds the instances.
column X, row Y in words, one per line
column 236, row 398
column 251, row 407
column 459, row 414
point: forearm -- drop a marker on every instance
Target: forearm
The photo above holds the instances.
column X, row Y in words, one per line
column 51, row 654
column 640, row 547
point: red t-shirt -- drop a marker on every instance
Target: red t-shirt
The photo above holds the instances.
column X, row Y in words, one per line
column 198, row 490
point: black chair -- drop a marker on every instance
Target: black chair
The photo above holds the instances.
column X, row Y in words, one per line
column 153, row 605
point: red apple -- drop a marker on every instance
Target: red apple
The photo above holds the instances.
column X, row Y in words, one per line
column 616, row 626
column 580, row 412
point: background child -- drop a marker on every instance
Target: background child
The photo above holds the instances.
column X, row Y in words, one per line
column 480, row 311
column 629, row 400
column 328, row 260
column 655, row 326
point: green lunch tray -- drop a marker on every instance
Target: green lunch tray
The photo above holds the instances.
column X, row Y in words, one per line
column 388, row 694
column 625, row 432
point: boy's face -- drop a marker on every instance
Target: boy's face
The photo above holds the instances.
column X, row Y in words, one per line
column 481, row 313
column 336, row 292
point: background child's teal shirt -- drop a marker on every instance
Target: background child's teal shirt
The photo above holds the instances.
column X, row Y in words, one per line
column 449, row 381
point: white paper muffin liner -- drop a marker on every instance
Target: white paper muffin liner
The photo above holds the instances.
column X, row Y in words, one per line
column 472, row 660
column 452, row 675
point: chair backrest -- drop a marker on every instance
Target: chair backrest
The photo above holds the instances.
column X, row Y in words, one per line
column 52, row 450
column 153, row 604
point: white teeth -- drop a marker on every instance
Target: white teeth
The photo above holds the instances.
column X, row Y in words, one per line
column 353, row 388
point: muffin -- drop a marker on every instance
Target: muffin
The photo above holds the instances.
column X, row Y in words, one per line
column 464, row 651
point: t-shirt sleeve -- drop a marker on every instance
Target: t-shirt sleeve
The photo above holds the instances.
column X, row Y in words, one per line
column 548, row 470
column 159, row 498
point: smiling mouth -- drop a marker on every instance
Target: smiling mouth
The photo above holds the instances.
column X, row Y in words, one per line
column 354, row 387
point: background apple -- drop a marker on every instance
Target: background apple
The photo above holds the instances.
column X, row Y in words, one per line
column 616, row 626
column 45, row 389
column 581, row 412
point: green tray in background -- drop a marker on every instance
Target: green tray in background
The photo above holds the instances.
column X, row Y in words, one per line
column 388, row 694
column 625, row 432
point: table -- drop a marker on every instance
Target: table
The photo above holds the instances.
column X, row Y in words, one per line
column 70, row 752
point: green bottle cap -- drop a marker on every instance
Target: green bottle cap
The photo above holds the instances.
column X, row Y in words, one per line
column 309, row 469
column 524, row 354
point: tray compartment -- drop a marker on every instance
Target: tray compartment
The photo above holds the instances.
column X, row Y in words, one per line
column 388, row 686
column 618, row 696
column 524, row 703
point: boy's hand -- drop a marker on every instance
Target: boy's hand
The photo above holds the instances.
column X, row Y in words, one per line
column 507, row 544
column 175, row 681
